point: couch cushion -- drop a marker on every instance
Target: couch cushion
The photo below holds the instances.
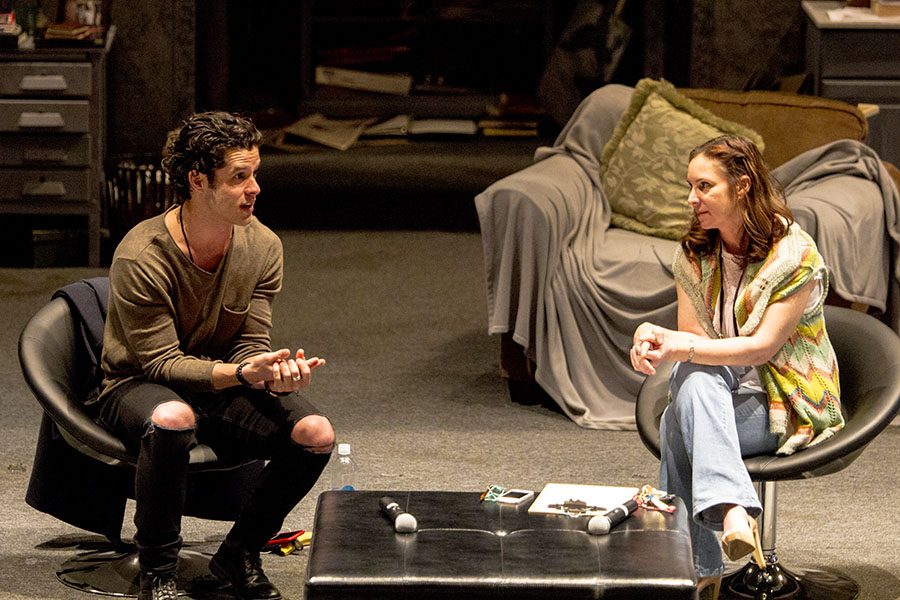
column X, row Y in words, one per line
column 789, row 123
column 644, row 164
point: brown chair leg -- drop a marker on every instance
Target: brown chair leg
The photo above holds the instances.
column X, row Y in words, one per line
column 518, row 370
column 513, row 362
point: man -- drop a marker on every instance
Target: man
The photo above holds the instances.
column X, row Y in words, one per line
column 187, row 357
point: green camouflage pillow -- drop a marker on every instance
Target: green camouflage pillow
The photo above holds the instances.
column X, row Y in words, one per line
column 643, row 166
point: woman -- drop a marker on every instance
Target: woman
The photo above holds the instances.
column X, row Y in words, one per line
column 755, row 371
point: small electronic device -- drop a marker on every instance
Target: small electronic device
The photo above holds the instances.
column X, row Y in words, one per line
column 515, row 496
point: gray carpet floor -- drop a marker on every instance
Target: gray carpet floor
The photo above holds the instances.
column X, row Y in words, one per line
column 412, row 384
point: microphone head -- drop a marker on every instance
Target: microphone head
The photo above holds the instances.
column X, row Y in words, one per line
column 405, row 523
column 599, row 525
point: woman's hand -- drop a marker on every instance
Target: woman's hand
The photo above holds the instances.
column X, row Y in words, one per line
column 654, row 344
column 647, row 349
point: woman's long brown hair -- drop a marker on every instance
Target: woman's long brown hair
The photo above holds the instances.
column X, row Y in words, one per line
column 766, row 215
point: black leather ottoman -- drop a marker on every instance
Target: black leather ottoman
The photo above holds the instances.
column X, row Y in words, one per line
column 468, row 549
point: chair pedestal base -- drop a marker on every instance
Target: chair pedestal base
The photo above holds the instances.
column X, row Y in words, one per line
column 777, row 583
column 114, row 573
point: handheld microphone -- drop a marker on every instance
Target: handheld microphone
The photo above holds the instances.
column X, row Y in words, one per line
column 402, row 520
column 601, row 524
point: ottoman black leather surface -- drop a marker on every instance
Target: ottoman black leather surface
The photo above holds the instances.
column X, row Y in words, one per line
column 468, row 549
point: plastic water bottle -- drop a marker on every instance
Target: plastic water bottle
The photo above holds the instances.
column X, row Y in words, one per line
column 343, row 473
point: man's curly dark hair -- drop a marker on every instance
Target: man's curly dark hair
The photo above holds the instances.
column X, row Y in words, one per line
column 200, row 145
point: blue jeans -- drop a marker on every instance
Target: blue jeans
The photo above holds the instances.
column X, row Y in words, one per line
column 709, row 426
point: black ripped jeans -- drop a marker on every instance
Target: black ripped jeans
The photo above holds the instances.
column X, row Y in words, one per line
column 235, row 423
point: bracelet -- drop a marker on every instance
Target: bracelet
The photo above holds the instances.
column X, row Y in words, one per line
column 690, row 357
column 239, row 374
column 272, row 392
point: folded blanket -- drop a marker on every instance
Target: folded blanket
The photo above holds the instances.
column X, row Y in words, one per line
column 843, row 196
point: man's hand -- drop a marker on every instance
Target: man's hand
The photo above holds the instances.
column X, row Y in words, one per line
column 291, row 374
column 275, row 370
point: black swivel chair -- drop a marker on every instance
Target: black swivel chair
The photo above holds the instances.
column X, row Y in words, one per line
column 83, row 475
column 869, row 359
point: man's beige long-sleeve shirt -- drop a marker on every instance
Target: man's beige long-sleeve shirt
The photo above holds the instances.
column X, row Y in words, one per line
column 169, row 321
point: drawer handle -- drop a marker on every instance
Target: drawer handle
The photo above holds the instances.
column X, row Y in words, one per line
column 32, row 155
column 41, row 119
column 44, row 188
column 43, row 83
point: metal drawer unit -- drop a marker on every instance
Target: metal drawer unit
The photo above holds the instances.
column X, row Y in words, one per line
column 38, row 78
column 59, row 185
column 53, row 133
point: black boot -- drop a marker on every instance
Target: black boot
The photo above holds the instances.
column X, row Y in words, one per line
column 158, row 586
column 160, row 485
column 242, row 568
column 282, row 484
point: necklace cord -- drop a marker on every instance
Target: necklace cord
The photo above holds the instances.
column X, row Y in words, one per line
column 184, row 234
column 737, row 289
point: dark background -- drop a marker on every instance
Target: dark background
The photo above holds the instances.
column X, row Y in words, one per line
column 173, row 57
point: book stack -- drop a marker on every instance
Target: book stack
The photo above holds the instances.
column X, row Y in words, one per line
column 71, row 33
column 385, row 83
column 509, row 127
column 7, row 16
column 10, row 31
column 403, row 125
column 512, row 116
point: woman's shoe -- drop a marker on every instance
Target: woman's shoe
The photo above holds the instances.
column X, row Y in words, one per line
column 708, row 588
column 738, row 543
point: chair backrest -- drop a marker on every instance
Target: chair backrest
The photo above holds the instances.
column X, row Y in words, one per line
column 58, row 372
column 59, row 357
column 869, row 359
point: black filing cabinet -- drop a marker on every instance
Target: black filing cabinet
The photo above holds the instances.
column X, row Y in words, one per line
column 53, row 134
column 858, row 62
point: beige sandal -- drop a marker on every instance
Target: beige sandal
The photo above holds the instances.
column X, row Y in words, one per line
column 708, row 587
column 739, row 543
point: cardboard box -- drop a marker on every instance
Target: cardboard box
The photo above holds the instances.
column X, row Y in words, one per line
column 886, row 8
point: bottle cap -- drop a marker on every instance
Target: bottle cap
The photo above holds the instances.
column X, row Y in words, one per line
column 343, row 449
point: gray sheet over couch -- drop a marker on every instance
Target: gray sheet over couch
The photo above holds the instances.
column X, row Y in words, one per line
column 569, row 289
